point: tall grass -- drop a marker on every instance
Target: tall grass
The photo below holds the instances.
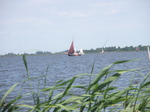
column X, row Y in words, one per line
column 99, row 94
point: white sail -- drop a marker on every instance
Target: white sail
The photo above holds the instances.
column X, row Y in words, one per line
column 81, row 52
column 102, row 51
column 75, row 50
column 148, row 52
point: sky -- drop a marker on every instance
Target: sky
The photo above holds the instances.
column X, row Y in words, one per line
column 50, row 25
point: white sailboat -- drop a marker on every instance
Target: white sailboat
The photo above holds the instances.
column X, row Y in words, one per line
column 148, row 52
column 102, row 51
column 81, row 52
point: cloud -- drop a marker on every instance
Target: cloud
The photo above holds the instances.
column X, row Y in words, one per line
column 109, row 8
column 70, row 13
column 103, row 4
column 82, row 14
column 12, row 35
column 35, row 2
column 67, row 13
column 110, row 12
column 85, row 10
column 7, row 34
column 27, row 21
column 73, row 14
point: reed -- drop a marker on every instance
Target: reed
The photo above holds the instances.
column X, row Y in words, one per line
column 99, row 94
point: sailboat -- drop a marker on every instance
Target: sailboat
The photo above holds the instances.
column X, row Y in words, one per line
column 148, row 52
column 81, row 52
column 137, row 49
column 72, row 51
column 102, row 51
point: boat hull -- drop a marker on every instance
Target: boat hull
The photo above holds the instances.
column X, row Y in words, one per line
column 74, row 54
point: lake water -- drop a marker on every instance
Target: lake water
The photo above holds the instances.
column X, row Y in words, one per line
column 12, row 69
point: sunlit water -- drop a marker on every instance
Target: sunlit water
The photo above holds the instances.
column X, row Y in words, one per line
column 58, row 67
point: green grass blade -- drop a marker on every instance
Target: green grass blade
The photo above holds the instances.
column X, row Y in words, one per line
column 25, row 63
column 105, row 70
column 139, row 90
column 7, row 93
column 99, row 76
column 58, row 86
column 106, row 82
column 125, row 61
column 26, row 106
column 69, row 86
column 10, row 104
column 77, row 99
column 67, row 108
column 145, row 84
column 143, row 105
column 65, row 92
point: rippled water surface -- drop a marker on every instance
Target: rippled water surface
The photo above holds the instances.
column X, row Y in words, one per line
column 58, row 67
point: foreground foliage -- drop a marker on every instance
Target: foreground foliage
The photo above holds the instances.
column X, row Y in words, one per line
column 99, row 94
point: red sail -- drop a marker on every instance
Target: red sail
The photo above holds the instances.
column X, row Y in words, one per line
column 71, row 50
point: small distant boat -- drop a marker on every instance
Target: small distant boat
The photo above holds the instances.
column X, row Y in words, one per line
column 102, row 51
column 72, row 51
column 81, row 52
column 148, row 52
column 137, row 49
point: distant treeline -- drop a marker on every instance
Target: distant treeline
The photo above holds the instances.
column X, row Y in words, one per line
column 106, row 49
column 117, row 49
column 36, row 53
